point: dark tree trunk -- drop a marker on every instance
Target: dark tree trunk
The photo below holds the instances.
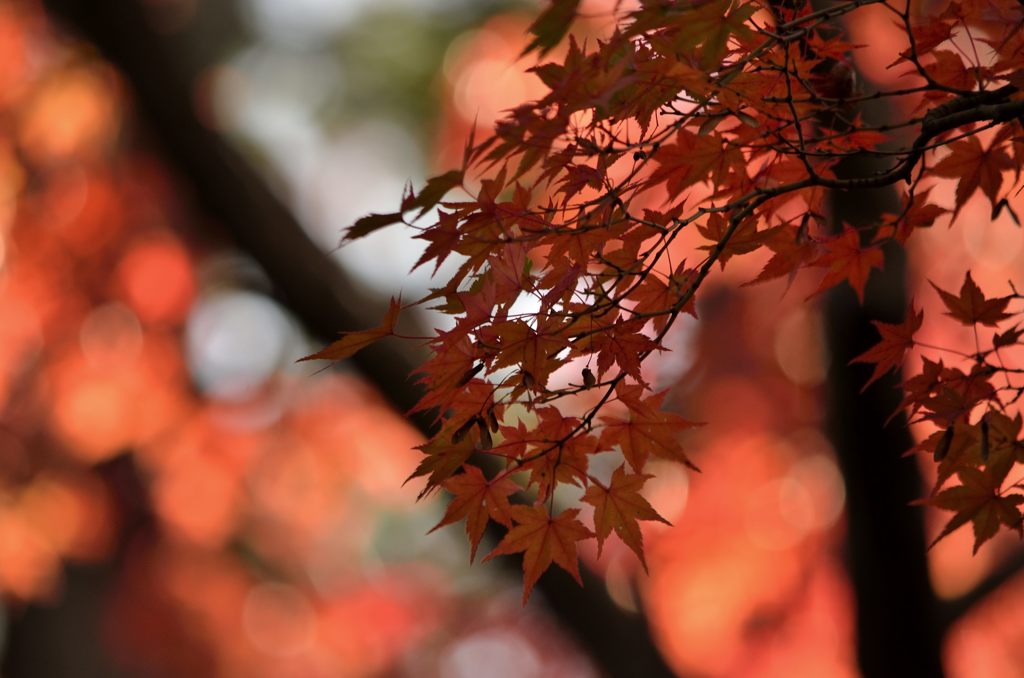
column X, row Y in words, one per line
column 898, row 631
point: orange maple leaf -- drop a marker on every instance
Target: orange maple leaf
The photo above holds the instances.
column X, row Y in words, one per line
column 543, row 539
column 971, row 306
column 618, row 507
column 478, row 500
column 896, row 339
column 351, row 343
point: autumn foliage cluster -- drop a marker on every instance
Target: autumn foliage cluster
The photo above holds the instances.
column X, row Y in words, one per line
column 690, row 134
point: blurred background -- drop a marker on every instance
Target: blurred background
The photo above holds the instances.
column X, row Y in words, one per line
column 179, row 498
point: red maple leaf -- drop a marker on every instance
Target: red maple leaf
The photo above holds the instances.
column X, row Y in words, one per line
column 534, row 351
column 971, row 306
column 974, row 167
column 979, row 502
column 688, row 161
column 543, row 540
column 897, row 338
column 848, row 260
column 918, row 214
column 478, row 500
column 746, row 238
column 351, row 343
column 618, row 507
column 657, row 298
column 443, row 459
column 792, row 250
column 647, row 431
column 623, row 344
column 563, row 451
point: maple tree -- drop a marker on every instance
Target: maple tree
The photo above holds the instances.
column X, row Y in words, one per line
column 691, row 134
column 750, row 562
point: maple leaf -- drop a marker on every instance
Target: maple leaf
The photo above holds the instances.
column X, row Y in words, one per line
column 956, row 394
column 791, row 249
column 431, row 194
column 746, row 238
column 888, row 354
column 979, row 502
column 543, row 540
column 688, row 161
column 470, row 402
column 991, row 443
column 975, row 168
column 952, row 448
column 927, row 36
column 551, row 26
column 740, row 131
column 535, row 351
column 453, row 365
column 478, row 500
column 443, row 238
column 921, row 385
column 949, row 69
column 371, row 222
column 622, row 344
column 444, row 458
column 566, row 456
column 848, row 260
column 708, row 25
column 657, row 298
column 351, row 343
column 647, row 431
column 1007, row 338
column 918, row 214
column 997, row 447
column 618, row 507
column 971, row 307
